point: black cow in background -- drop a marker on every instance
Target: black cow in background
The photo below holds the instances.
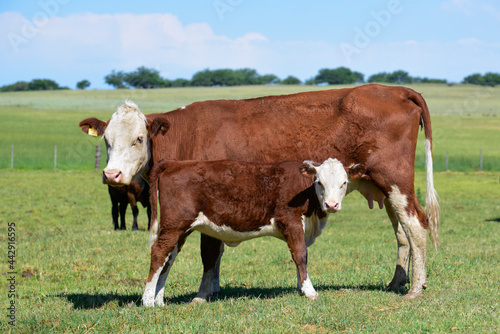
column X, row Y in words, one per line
column 137, row 191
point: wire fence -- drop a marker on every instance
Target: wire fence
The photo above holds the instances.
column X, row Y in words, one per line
column 89, row 156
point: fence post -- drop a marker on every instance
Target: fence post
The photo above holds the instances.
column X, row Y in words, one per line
column 98, row 157
column 481, row 160
column 446, row 162
column 11, row 156
column 55, row 156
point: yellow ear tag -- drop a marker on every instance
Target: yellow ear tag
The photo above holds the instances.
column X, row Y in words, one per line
column 92, row 132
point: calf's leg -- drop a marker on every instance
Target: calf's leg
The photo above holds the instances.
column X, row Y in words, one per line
column 163, row 254
column 294, row 237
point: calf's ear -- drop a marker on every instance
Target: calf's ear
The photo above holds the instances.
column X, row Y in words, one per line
column 93, row 126
column 159, row 125
column 307, row 169
column 356, row 171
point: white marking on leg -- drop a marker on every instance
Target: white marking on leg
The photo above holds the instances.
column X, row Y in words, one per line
column 417, row 237
column 308, row 289
column 160, row 286
column 148, row 298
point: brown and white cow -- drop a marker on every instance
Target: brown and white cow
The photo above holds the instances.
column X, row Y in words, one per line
column 235, row 201
column 121, row 197
column 376, row 126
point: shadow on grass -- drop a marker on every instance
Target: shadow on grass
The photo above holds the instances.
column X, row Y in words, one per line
column 494, row 220
column 96, row 301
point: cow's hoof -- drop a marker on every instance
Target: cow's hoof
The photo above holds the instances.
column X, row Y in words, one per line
column 198, row 300
column 413, row 295
column 395, row 287
column 135, row 229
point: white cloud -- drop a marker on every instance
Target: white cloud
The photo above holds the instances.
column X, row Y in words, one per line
column 481, row 8
column 126, row 41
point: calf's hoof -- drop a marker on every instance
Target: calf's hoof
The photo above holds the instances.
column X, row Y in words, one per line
column 313, row 297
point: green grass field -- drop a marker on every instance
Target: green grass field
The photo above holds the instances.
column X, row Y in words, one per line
column 74, row 274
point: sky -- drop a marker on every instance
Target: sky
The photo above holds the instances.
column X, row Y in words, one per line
column 71, row 40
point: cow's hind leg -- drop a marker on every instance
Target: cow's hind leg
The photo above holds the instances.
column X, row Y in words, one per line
column 294, row 236
column 401, row 274
column 211, row 254
column 412, row 220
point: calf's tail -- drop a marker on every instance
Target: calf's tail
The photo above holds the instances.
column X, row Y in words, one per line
column 153, row 198
column 431, row 197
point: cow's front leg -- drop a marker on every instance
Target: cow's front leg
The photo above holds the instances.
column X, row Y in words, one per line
column 123, row 211
column 163, row 254
column 401, row 274
column 135, row 213
column 211, row 254
column 294, row 237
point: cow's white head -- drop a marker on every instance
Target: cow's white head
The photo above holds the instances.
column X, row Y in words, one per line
column 330, row 182
column 127, row 144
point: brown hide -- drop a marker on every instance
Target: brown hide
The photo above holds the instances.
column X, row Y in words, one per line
column 374, row 125
column 241, row 195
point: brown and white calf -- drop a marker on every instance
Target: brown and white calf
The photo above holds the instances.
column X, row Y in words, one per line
column 121, row 197
column 373, row 125
column 234, row 201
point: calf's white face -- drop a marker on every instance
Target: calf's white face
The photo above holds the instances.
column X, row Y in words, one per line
column 127, row 145
column 330, row 183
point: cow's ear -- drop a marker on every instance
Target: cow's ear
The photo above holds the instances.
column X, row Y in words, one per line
column 356, row 171
column 307, row 169
column 93, row 126
column 159, row 125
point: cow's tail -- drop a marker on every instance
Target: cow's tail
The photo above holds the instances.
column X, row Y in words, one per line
column 431, row 198
column 154, row 230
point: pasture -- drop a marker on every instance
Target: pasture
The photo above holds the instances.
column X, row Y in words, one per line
column 73, row 273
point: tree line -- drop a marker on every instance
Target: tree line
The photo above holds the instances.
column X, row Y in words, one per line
column 147, row 78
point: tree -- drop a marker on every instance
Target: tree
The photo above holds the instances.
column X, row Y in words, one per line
column 399, row 77
column 291, row 80
column 490, row 79
column 381, row 77
column 269, row 79
column 144, row 77
column 15, row 87
column 43, row 84
column 83, row 84
column 115, row 79
column 181, row 83
column 340, row 75
column 474, row 79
